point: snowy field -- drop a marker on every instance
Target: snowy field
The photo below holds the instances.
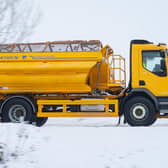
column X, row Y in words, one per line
column 85, row 143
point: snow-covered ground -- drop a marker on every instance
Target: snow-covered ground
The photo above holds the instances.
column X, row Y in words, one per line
column 85, row 143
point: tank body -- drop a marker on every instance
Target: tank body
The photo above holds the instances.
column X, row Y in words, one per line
column 52, row 72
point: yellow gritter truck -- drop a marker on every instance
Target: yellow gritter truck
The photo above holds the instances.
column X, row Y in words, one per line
column 82, row 79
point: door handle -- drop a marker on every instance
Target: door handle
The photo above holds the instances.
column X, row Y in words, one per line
column 142, row 83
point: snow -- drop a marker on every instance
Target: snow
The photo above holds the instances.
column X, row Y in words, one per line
column 85, row 143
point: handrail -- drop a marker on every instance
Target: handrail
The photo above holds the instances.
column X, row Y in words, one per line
column 117, row 70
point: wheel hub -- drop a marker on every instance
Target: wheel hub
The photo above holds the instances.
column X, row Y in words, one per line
column 16, row 112
column 139, row 111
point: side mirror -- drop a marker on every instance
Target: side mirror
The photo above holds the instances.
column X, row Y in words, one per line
column 163, row 67
column 162, row 52
column 162, row 64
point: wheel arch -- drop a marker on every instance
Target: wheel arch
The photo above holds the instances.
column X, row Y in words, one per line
column 27, row 99
column 138, row 92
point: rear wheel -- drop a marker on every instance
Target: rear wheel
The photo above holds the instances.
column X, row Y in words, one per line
column 16, row 110
column 140, row 111
column 38, row 121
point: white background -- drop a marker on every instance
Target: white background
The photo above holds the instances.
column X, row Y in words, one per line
column 114, row 22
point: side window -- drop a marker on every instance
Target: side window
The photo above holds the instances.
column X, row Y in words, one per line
column 154, row 61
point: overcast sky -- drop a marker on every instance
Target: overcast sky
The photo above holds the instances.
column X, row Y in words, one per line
column 114, row 22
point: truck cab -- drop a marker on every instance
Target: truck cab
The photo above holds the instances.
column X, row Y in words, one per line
column 147, row 93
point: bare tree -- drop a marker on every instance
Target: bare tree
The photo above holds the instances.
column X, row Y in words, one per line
column 18, row 18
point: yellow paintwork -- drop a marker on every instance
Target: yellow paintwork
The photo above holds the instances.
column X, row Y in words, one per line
column 41, row 74
column 65, row 113
column 62, row 72
column 157, row 85
column 53, row 72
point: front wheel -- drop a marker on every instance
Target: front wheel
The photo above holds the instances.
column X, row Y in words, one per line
column 139, row 111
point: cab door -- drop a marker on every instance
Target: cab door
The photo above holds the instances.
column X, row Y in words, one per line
column 153, row 72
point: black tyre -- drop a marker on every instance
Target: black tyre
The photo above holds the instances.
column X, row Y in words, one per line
column 139, row 111
column 15, row 109
column 38, row 121
column 41, row 121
